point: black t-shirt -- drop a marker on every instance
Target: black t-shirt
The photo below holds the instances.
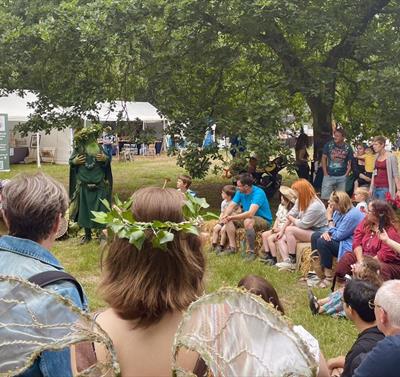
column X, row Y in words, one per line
column 366, row 340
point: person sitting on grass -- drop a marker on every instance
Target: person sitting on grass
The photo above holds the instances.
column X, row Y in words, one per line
column 256, row 212
column 383, row 359
column 333, row 304
column 356, row 298
column 261, row 287
column 183, row 183
column 227, row 193
column 307, row 216
column 288, row 198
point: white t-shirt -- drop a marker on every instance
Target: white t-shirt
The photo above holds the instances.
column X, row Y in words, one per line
column 362, row 206
column 281, row 215
column 224, row 205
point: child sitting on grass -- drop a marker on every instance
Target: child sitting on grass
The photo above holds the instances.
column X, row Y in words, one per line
column 183, row 183
column 227, row 193
column 369, row 270
column 288, row 197
column 361, row 197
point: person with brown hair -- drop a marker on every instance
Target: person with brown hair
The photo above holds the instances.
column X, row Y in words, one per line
column 183, row 184
column 33, row 207
column 302, row 156
column 261, row 287
column 337, row 240
column 227, row 193
column 147, row 290
column 307, row 216
column 385, row 178
column 366, row 241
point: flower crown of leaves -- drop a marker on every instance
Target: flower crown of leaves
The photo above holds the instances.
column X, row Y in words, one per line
column 121, row 222
column 87, row 134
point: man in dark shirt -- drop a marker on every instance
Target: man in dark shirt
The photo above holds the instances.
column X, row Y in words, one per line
column 356, row 296
column 336, row 164
column 383, row 360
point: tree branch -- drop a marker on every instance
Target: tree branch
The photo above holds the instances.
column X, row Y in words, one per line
column 345, row 48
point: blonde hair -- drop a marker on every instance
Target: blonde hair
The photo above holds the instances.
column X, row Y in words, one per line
column 342, row 200
column 32, row 205
column 143, row 285
column 363, row 192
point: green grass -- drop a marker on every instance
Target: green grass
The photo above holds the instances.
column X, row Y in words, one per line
column 83, row 261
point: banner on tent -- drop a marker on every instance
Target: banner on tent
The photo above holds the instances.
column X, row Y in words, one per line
column 4, row 144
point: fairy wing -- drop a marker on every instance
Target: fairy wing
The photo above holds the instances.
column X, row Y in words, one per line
column 33, row 320
column 237, row 334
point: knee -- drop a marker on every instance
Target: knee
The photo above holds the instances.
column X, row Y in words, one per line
column 321, row 245
column 266, row 235
column 289, row 231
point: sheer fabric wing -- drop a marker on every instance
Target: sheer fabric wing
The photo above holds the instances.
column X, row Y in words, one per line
column 33, row 319
column 238, row 334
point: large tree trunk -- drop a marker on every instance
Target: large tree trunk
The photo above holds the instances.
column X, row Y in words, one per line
column 322, row 124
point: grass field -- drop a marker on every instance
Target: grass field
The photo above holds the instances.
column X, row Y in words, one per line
column 335, row 335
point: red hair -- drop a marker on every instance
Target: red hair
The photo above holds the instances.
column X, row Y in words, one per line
column 305, row 193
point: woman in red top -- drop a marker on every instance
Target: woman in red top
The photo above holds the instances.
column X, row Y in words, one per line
column 385, row 178
column 366, row 241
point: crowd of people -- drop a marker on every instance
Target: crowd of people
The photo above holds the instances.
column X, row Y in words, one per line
column 355, row 250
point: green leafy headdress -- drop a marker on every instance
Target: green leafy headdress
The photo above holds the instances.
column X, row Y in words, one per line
column 87, row 135
column 120, row 222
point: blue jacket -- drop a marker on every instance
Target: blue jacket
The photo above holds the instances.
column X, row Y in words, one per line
column 25, row 258
column 345, row 224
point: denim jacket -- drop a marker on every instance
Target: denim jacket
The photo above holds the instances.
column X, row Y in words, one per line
column 24, row 258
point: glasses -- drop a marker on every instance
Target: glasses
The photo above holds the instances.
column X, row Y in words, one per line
column 372, row 304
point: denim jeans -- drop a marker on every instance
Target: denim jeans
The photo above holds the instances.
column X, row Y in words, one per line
column 380, row 193
column 326, row 249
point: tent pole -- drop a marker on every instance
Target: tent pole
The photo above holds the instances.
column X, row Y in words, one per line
column 38, row 150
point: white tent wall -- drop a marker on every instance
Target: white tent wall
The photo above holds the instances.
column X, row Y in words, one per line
column 60, row 140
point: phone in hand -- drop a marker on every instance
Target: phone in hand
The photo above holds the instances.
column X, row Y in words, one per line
column 381, row 225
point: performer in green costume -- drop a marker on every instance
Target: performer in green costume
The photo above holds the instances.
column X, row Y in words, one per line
column 90, row 179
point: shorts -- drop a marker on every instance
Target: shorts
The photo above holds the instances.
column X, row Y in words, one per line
column 260, row 224
column 332, row 183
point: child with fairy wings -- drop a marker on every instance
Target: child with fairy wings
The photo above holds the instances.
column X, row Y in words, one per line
column 90, row 179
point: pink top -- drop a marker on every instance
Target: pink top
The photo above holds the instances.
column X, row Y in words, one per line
column 381, row 177
column 372, row 245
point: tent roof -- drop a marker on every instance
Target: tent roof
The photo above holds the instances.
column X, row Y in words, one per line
column 17, row 107
column 18, row 110
column 144, row 111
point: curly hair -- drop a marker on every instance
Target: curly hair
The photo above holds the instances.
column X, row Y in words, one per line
column 381, row 209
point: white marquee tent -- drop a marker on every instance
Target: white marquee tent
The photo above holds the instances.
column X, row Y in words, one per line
column 18, row 110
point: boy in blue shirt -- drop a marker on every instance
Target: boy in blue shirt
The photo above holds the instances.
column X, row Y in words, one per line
column 256, row 211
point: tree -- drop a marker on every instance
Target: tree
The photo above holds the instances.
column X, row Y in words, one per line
column 244, row 65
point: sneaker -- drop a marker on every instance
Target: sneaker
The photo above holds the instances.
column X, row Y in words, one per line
column 286, row 265
column 313, row 281
column 228, row 251
column 250, row 257
column 85, row 239
column 268, row 261
column 217, row 249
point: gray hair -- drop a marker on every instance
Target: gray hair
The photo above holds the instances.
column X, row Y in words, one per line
column 32, row 204
column 388, row 297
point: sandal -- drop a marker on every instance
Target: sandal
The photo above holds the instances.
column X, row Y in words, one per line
column 313, row 302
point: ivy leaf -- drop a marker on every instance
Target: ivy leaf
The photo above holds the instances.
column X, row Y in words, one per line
column 210, row 216
column 164, row 236
column 106, row 203
column 137, row 238
column 190, row 228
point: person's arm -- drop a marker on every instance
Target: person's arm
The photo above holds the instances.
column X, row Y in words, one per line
column 229, row 209
column 244, row 215
column 388, row 241
column 323, row 370
column 311, row 216
column 275, row 228
column 302, row 154
column 336, row 362
column 324, row 160
column 346, row 226
column 364, row 177
column 348, row 168
column 386, row 253
column 357, row 241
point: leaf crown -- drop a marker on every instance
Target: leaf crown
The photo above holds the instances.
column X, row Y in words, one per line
column 120, row 221
column 87, row 135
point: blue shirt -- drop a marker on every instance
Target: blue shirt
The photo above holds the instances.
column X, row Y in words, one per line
column 25, row 258
column 345, row 224
column 338, row 157
column 383, row 360
column 256, row 196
